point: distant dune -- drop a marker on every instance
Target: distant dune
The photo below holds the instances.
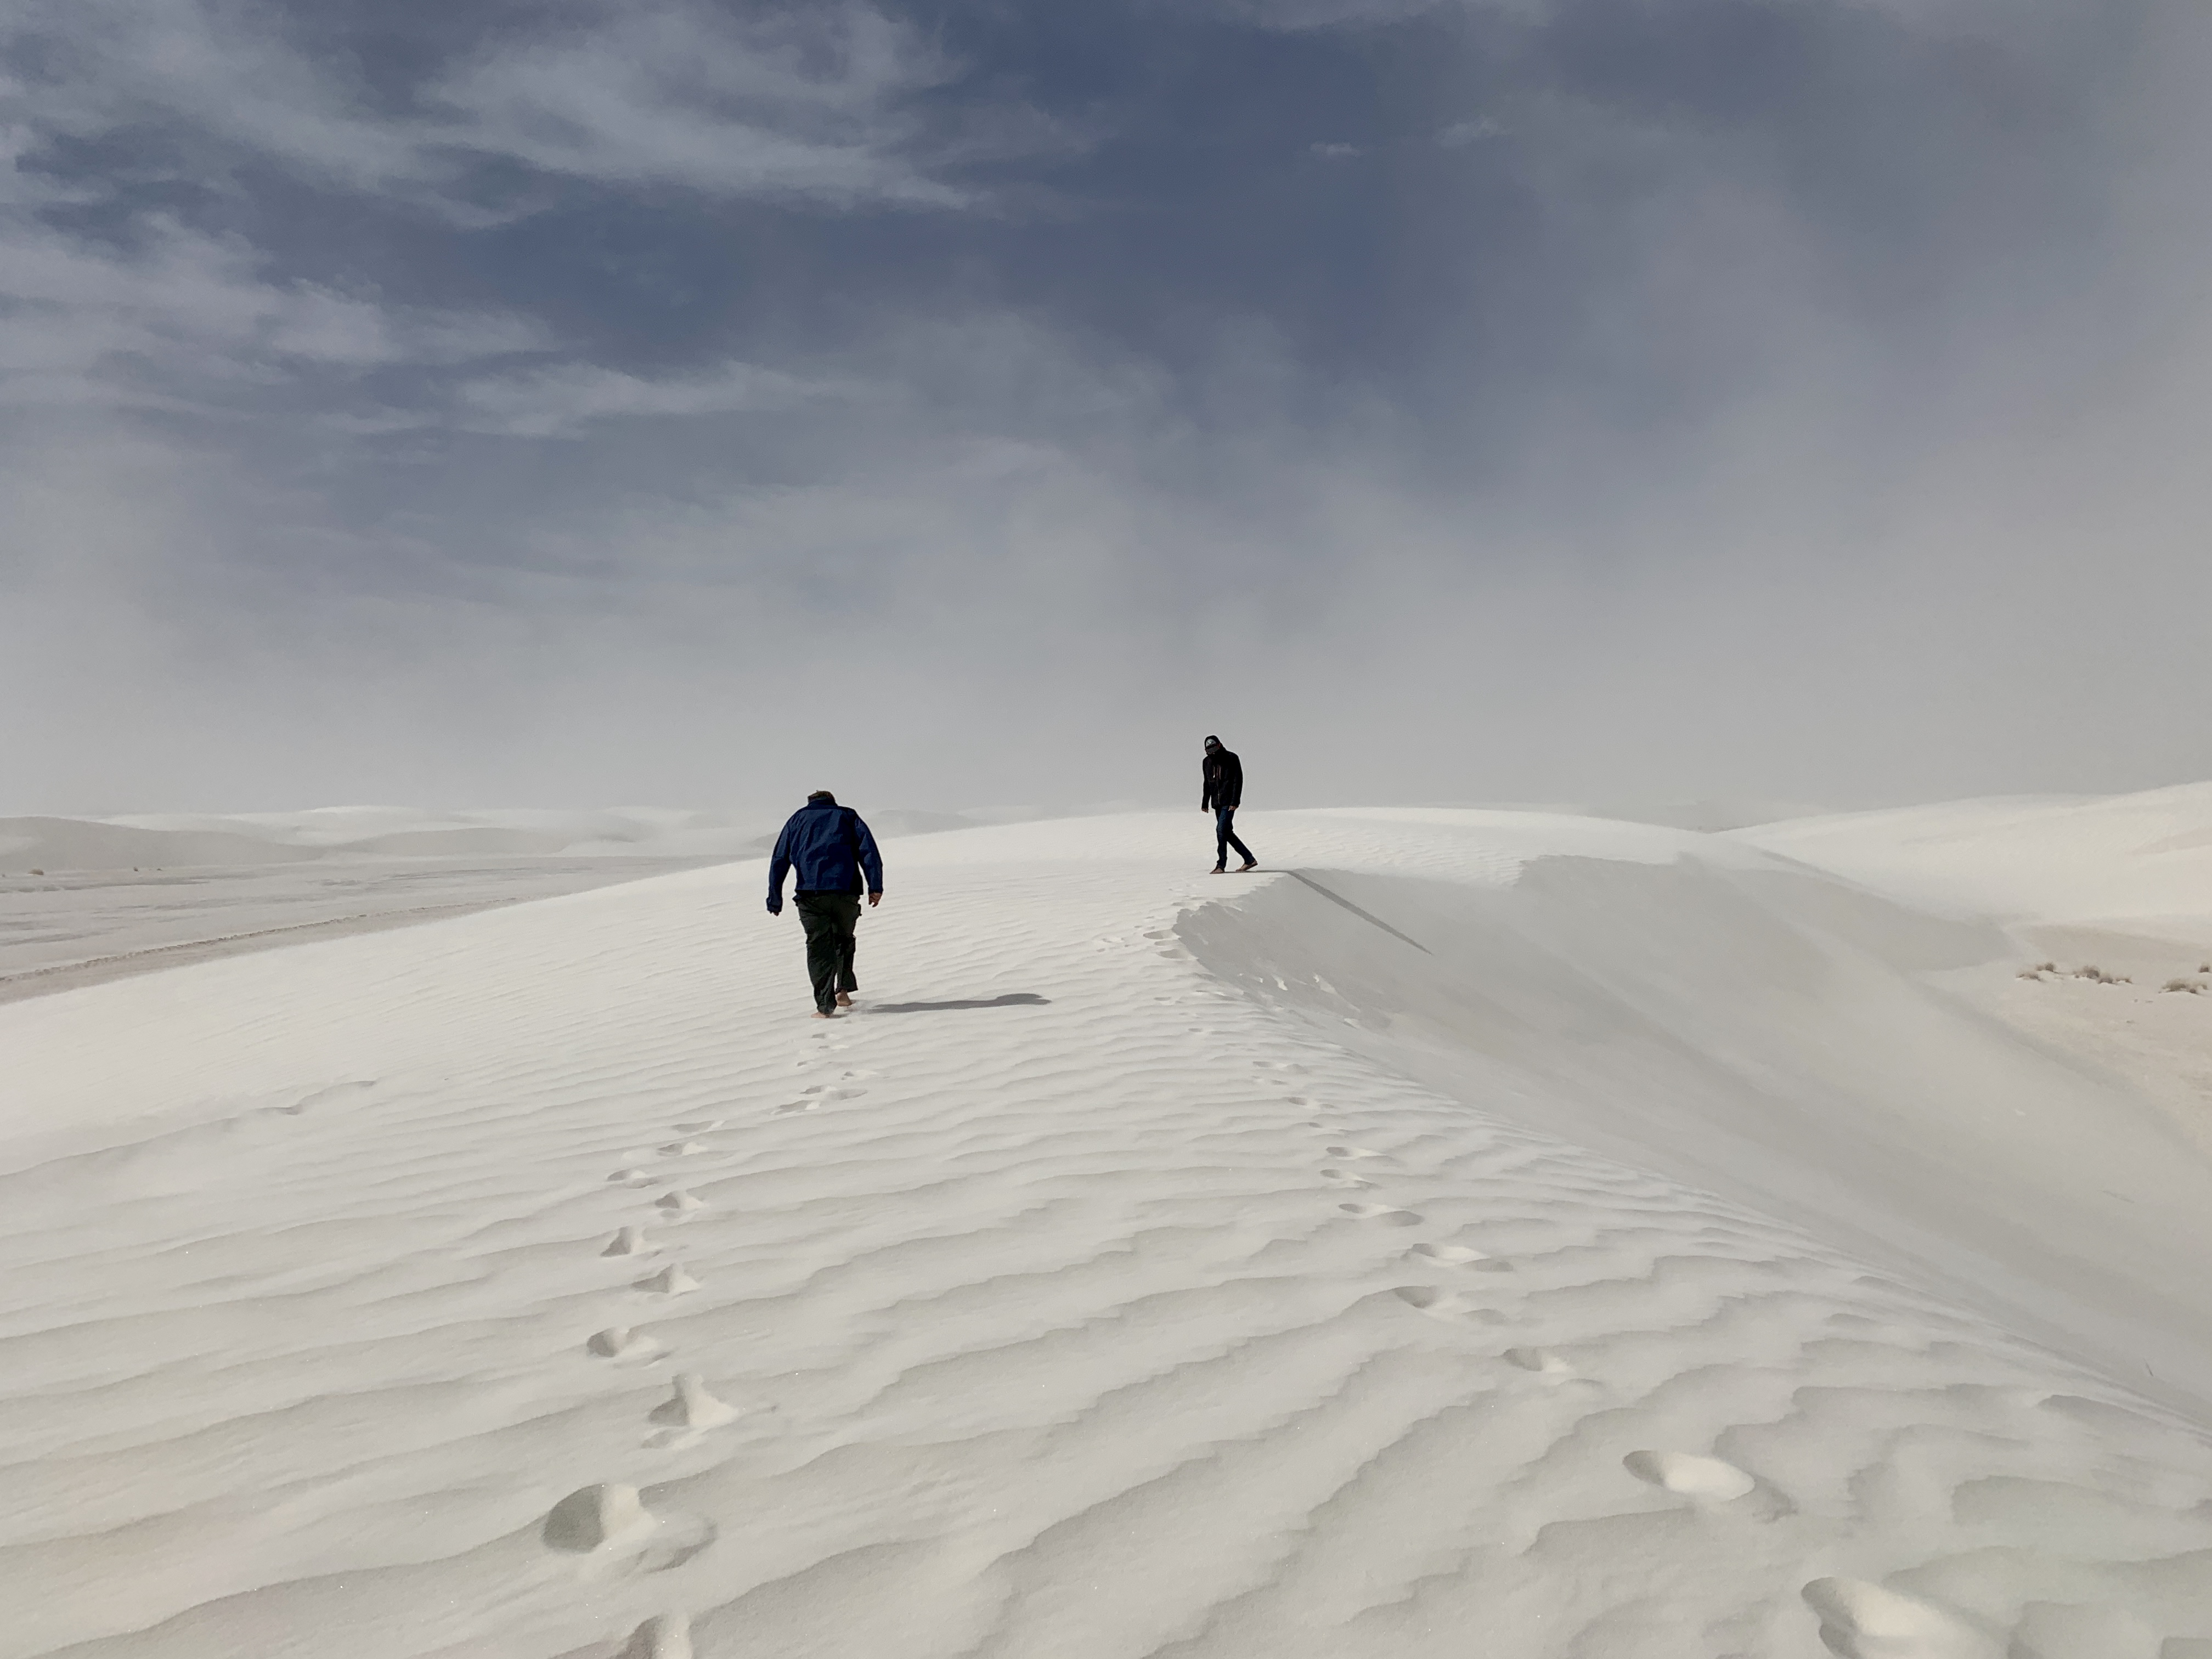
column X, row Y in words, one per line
column 195, row 841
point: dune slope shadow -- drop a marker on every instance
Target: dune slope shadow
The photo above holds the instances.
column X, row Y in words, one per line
column 1768, row 1035
column 1012, row 999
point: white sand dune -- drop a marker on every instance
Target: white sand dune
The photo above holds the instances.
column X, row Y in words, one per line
column 175, row 840
column 188, row 840
column 2039, row 858
column 62, row 930
column 1491, row 1234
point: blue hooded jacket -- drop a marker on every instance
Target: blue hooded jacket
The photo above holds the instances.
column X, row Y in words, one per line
column 828, row 847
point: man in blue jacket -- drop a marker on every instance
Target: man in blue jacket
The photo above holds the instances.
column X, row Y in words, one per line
column 829, row 848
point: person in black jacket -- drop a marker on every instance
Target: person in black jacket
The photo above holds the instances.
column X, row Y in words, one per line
column 1224, row 794
column 831, row 849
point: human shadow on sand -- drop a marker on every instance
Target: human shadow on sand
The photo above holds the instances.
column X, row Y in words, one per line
column 1012, row 999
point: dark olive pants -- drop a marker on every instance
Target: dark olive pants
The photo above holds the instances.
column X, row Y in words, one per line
column 832, row 921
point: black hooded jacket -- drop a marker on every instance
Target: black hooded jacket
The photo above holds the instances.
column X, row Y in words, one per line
column 1224, row 781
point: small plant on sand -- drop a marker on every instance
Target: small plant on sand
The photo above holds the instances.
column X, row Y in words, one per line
column 2052, row 967
column 2089, row 971
column 2195, row 987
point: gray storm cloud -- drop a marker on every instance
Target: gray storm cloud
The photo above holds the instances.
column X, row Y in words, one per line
column 667, row 403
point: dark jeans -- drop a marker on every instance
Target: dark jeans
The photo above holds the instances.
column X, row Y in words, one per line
column 1225, row 838
column 832, row 921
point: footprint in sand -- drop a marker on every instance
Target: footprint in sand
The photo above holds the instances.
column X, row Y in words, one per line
column 1542, row 1361
column 684, row 1149
column 670, row 1281
column 692, row 1407
column 1442, row 1304
column 797, row 1106
column 630, row 1241
column 1859, row 1621
column 621, row 1342
column 1459, row 1256
column 594, row 1517
column 1352, row 1153
column 666, row 1637
column 677, row 1201
column 1383, row 1214
column 1344, row 1178
column 629, row 1177
column 1707, row 1482
column 1687, row 1475
column 704, row 1126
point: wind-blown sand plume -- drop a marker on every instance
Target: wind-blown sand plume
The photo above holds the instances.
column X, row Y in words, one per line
column 1059, row 1339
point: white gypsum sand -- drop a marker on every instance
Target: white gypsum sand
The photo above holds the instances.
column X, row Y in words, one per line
column 1509, row 1234
column 85, row 901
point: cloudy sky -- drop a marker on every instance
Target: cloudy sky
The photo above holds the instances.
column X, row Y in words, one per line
column 687, row 402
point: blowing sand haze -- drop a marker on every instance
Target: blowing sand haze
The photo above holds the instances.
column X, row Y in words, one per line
column 1490, row 1233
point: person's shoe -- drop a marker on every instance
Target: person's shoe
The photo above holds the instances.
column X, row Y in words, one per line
column 1249, row 864
column 844, row 998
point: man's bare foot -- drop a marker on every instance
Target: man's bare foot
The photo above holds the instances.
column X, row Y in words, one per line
column 1249, row 864
column 1219, row 870
column 844, row 998
column 818, row 1014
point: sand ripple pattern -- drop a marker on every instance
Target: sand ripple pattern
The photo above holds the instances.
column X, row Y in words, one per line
column 1138, row 1320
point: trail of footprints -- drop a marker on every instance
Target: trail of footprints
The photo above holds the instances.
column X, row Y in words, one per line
column 1858, row 1620
column 610, row 1518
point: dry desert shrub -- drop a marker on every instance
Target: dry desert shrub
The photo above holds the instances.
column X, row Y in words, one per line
column 2193, row 986
column 2089, row 971
column 2052, row 967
